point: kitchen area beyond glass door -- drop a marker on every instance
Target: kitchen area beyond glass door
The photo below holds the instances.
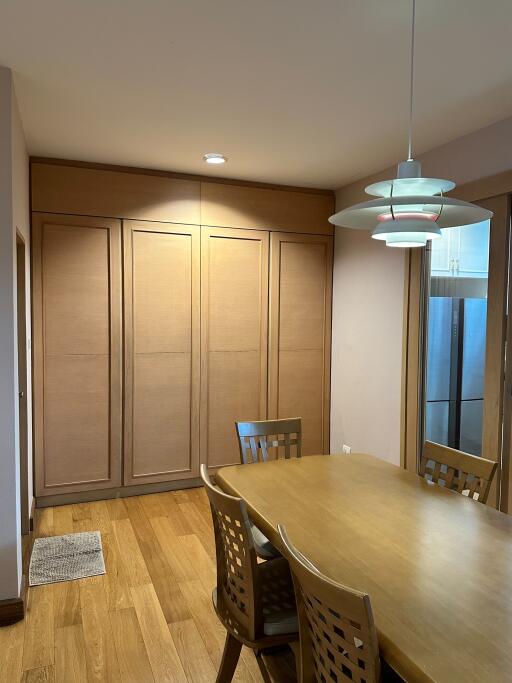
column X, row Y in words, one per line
column 456, row 337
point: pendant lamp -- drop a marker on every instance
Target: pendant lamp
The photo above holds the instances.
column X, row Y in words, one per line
column 409, row 209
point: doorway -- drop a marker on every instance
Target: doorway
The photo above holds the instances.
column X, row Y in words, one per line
column 22, row 379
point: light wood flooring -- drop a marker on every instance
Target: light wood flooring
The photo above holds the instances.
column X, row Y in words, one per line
column 149, row 618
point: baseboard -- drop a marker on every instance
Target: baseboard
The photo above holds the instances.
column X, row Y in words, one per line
column 121, row 492
column 13, row 610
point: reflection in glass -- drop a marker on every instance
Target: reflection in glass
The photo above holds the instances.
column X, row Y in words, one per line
column 457, row 314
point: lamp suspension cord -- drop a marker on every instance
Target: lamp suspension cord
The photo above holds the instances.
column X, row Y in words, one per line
column 409, row 157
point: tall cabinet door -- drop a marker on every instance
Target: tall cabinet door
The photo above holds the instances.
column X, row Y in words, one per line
column 77, row 353
column 234, row 312
column 300, row 334
column 161, row 287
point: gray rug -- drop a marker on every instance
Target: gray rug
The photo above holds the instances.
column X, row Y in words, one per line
column 64, row 558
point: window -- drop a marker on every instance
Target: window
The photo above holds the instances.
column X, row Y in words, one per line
column 456, row 337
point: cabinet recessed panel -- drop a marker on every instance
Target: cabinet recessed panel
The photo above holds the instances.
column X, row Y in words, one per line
column 234, row 380
column 162, row 347
column 300, row 332
column 234, row 313
column 76, row 427
column 77, row 353
column 161, row 413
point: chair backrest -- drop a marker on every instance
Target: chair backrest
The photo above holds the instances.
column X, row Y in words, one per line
column 338, row 639
column 256, row 438
column 462, row 472
column 237, row 580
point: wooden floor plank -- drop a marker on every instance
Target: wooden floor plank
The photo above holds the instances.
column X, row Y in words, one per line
column 152, row 505
column 130, row 553
column 66, row 603
column 200, row 560
column 171, row 510
column 116, row 508
column 164, row 581
column 70, row 661
column 102, row 664
column 11, row 649
column 194, row 517
column 100, row 517
column 192, row 652
column 63, row 520
column 131, row 652
column 181, row 566
column 160, row 647
column 45, row 674
column 117, row 587
column 43, row 523
column 81, row 511
column 38, row 645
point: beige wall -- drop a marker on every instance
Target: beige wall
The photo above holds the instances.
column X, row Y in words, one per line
column 368, row 292
column 14, row 212
column 367, row 345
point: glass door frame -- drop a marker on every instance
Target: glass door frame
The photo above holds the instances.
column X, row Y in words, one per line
column 497, row 413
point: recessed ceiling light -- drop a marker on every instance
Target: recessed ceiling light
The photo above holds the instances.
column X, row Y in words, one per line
column 214, row 158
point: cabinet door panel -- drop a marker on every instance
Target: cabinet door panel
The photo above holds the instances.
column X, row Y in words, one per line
column 77, row 353
column 161, row 352
column 234, row 310
column 300, row 334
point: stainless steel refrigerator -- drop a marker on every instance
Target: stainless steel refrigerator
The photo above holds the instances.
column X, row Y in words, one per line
column 455, row 372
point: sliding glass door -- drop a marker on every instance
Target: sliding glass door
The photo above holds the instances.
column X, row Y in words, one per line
column 463, row 403
column 458, row 277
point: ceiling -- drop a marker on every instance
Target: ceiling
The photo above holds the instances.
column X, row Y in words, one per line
column 311, row 93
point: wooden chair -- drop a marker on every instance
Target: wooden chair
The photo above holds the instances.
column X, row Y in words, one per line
column 338, row 639
column 458, row 471
column 255, row 439
column 253, row 600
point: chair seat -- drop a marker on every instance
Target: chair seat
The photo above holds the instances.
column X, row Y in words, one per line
column 277, row 623
column 262, row 545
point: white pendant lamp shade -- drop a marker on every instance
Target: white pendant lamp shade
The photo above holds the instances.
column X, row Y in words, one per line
column 410, row 209
column 440, row 212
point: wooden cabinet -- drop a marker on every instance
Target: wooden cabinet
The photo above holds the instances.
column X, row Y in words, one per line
column 161, row 304
column 77, row 353
column 234, row 313
column 300, row 333
column 153, row 334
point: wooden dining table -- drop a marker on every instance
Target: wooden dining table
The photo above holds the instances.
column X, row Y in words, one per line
column 437, row 565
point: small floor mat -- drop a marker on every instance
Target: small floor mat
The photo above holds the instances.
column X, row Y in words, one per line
column 64, row 558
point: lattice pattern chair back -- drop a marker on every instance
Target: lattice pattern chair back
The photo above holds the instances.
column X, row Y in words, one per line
column 237, row 584
column 337, row 632
column 468, row 474
column 256, row 439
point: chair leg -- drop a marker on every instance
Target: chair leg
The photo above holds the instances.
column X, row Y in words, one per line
column 230, row 656
column 263, row 669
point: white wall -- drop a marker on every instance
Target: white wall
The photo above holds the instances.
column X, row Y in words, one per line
column 21, row 223
column 14, row 209
column 368, row 290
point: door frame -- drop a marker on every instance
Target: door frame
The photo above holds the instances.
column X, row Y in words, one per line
column 23, row 425
column 496, row 400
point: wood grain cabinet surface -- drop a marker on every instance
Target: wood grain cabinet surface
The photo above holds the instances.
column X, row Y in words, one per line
column 234, row 312
column 77, row 353
column 161, row 306
column 192, row 304
column 300, row 334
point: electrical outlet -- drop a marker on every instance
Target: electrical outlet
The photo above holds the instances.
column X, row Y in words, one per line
column 346, row 449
